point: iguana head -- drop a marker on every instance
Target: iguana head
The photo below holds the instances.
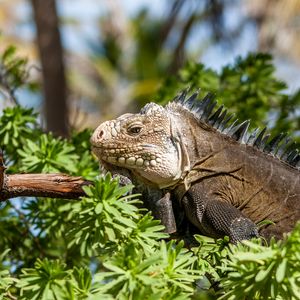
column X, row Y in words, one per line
column 143, row 143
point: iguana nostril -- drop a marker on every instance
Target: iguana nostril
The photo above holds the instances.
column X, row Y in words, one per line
column 101, row 134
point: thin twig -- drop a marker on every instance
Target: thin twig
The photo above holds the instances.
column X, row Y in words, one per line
column 178, row 55
column 28, row 226
column 10, row 296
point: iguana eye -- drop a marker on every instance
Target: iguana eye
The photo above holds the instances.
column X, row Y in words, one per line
column 134, row 129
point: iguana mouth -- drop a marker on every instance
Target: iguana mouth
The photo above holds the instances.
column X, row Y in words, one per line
column 124, row 159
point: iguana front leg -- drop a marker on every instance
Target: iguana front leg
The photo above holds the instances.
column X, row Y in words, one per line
column 157, row 201
column 160, row 204
column 216, row 218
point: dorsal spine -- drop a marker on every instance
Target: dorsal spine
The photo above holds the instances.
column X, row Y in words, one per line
column 279, row 146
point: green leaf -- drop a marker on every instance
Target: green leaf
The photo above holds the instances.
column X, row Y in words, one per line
column 99, row 208
column 264, row 273
column 281, row 270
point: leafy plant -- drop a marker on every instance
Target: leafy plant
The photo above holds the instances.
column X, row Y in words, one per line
column 46, row 281
column 17, row 124
column 107, row 218
column 262, row 272
column 167, row 274
column 48, row 154
column 6, row 281
column 13, row 72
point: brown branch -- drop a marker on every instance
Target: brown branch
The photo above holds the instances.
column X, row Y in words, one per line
column 171, row 20
column 178, row 55
column 2, row 170
column 42, row 185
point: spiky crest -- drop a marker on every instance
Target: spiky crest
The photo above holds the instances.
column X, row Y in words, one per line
column 279, row 146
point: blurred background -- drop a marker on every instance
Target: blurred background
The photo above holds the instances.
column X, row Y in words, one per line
column 90, row 60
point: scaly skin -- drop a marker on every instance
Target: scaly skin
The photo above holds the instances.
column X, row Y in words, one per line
column 224, row 186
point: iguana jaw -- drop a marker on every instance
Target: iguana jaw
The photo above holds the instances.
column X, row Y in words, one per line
column 155, row 171
column 183, row 166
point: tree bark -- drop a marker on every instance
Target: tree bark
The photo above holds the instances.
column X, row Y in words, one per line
column 53, row 71
column 41, row 185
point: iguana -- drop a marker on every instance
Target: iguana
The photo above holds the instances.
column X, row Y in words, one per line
column 192, row 155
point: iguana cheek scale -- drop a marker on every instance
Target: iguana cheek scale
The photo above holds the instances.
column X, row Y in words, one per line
column 191, row 155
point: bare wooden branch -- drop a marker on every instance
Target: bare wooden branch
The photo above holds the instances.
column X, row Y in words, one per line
column 178, row 56
column 2, row 170
column 42, row 185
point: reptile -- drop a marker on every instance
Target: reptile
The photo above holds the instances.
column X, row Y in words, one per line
column 193, row 157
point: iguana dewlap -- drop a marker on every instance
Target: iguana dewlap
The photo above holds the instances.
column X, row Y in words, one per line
column 226, row 179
